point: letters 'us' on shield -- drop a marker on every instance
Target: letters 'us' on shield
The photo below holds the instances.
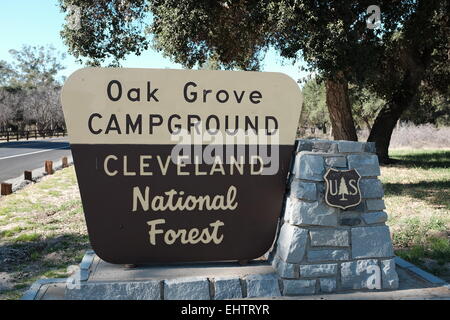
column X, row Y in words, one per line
column 181, row 165
column 342, row 188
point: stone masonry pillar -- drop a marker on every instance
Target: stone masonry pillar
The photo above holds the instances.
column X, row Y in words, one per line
column 323, row 249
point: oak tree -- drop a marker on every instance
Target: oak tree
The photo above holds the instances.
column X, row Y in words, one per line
column 332, row 37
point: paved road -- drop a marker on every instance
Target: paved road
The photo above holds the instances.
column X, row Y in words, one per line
column 15, row 157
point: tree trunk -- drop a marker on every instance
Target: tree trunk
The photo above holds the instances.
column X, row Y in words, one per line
column 405, row 96
column 382, row 130
column 340, row 111
column 368, row 124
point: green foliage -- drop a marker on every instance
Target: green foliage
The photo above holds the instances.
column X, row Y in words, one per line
column 414, row 60
column 314, row 110
column 365, row 106
column 408, row 50
column 330, row 35
column 106, row 30
column 434, row 248
column 433, row 107
column 193, row 31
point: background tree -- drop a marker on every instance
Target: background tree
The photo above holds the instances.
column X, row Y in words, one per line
column 42, row 108
column 29, row 89
column 5, row 73
column 331, row 36
column 11, row 108
column 365, row 106
column 314, row 110
column 415, row 58
column 434, row 108
column 35, row 66
column 109, row 30
column 6, row 111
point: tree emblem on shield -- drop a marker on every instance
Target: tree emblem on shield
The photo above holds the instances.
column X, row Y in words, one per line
column 342, row 188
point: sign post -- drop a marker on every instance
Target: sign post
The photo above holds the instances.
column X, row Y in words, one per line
column 181, row 165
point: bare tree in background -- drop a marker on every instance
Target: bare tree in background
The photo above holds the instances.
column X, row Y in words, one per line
column 29, row 89
column 12, row 108
column 42, row 108
column 6, row 112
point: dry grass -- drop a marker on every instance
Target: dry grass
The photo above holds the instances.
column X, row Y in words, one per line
column 42, row 232
column 410, row 136
column 417, row 198
column 407, row 136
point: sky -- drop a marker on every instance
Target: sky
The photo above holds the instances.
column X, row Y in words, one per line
column 38, row 22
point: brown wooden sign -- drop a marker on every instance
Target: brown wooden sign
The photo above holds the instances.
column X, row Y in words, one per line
column 342, row 188
column 181, row 165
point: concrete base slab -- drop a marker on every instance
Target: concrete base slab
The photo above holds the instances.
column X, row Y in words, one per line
column 106, row 272
column 101, row 280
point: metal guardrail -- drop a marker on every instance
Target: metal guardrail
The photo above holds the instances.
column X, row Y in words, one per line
column 30, row 134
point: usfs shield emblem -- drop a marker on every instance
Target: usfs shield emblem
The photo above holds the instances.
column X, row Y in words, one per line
column 342, row 188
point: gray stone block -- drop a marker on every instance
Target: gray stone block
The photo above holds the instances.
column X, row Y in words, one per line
column 292, row 205
column 366, row 164
column 304, row 145
column 375, row 217
column 309, row 167
column 138, row 290
column 329, row 237
column 292, row 243
column 371, row 188
column 370, row 147
column 327, row 285
column 371, row 242
column 318, row 270
column 375, row 204
column 284, row 269
column 304, row 190
column 195, row 288
column 389, row 275
column 361, row 207
column 227, row 288
column 265, row 285
column 298, row 287
column 356, row 275
column 350, row 221
column 336, row 162
column 321, row 190
column 323, row 146
column 327, row 255
column 350, row 146
column 311, row 213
